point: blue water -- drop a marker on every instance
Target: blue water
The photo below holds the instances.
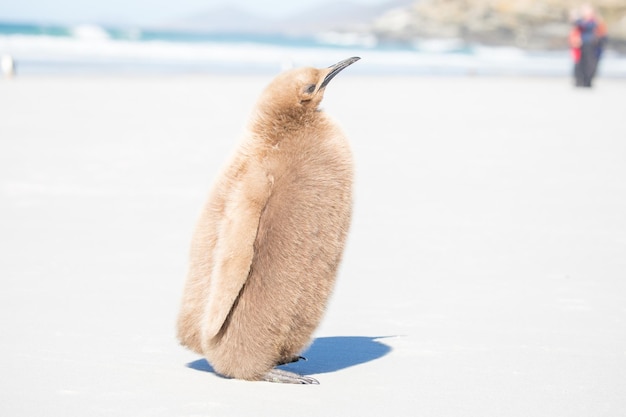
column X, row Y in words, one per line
column 193, row 37
column 90, row 49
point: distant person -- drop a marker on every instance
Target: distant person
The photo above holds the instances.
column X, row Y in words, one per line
column 587, row 40
column 8, row 66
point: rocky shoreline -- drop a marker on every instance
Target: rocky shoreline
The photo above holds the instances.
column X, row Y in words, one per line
column 527, row 24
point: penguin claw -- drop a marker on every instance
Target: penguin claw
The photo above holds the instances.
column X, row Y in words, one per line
column 286, row 377
column 294, row 359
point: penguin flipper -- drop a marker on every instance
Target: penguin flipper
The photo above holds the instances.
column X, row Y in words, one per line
column 286, row 377
column 233, row 252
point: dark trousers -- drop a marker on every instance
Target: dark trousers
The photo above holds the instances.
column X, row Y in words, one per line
column 585, row 68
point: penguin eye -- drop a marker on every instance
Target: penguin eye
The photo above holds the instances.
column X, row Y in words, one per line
column 309, row 89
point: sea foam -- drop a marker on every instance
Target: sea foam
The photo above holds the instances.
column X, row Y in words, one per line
column 90, row 48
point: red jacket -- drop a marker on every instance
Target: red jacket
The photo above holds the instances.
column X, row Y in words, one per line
column 575, row 43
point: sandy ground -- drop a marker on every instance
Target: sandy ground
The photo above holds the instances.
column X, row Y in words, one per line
column 485, row 273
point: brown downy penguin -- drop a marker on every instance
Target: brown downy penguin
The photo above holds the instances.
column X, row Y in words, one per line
column 266, row 249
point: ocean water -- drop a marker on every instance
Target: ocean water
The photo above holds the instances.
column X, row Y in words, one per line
column 91, row 49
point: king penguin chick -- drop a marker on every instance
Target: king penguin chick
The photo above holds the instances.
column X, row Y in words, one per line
column 265, row 252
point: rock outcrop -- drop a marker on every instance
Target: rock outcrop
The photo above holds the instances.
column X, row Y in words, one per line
column 529, row 24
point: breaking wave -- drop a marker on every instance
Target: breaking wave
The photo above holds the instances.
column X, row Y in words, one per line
column 90, row 48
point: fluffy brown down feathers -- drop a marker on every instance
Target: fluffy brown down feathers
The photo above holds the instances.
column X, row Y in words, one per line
column 269, row 240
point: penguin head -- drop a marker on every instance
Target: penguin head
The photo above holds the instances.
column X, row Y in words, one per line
column 301, row 89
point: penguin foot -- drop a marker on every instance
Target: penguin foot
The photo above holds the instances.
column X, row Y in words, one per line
column 286, row 377
column 292, row 360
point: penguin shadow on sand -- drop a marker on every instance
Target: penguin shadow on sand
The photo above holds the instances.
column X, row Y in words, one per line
column 327, row 354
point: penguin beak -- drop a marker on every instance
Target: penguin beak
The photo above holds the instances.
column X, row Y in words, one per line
column 337, row 68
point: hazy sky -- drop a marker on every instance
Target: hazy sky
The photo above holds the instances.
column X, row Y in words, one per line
column 141, row 11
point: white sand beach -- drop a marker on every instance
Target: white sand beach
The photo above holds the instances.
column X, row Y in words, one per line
column 485, row 273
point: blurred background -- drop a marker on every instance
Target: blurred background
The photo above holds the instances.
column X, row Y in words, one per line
column 433, row 37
